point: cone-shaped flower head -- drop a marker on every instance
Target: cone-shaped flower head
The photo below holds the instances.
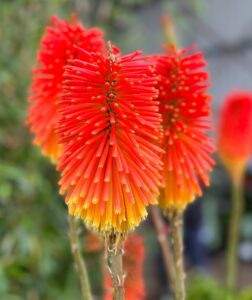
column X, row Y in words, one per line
column 184, row 104
column 235, row 132
column 56, row 48
column 109, row 121
column 133, row 268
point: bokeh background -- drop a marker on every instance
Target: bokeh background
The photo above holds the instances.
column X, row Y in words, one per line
column 35, row 258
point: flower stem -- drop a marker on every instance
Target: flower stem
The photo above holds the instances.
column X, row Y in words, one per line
column 234, row 233
column 176, row 220
column 169, row 32
column 78, row 259
column 115, row 264
column 164, row 246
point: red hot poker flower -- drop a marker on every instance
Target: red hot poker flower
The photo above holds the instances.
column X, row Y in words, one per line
column 109, row 120
column 235, row 132
column 93, row 242
column 184, row 104
column 56, row 48
column 133, row 267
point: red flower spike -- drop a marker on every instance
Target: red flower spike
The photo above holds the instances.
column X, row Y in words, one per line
column 93, row 242
column 184, row 104
column 235, row 132
column 109, row 120
column 133, row 267
column 56, row 48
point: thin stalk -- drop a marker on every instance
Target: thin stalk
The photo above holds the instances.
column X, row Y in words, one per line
column 234, row 233
column 159, row 226
column 176, row 233
column 169, row 32
column 78, row 259
column 115, row 265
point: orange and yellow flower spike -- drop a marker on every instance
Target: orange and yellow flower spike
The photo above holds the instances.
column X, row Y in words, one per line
column 56, row 48
column 235, row 133
column 184, row 105
column 108, row 123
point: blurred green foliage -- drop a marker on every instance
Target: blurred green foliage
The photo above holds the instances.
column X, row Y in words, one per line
column 205, row 288
column 246, row 294
column 202, row 287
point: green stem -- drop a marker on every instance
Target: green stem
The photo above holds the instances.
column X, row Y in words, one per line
column 115, row 264
column 164, row 246
column 78, row 259
column 169, row 32
column 176, row 220
column 234, row 233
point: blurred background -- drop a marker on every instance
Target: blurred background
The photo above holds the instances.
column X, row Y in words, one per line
column 35, row 258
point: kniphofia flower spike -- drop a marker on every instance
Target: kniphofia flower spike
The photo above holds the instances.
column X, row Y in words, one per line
column 235, row 132
column 56, row 48
column 108, row 124
column 184, row 105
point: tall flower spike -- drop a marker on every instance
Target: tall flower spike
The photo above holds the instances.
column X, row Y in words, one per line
column 56, row 48
column 108, row 124
column 184, row 104
column 133, row 267
column 235, row 132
